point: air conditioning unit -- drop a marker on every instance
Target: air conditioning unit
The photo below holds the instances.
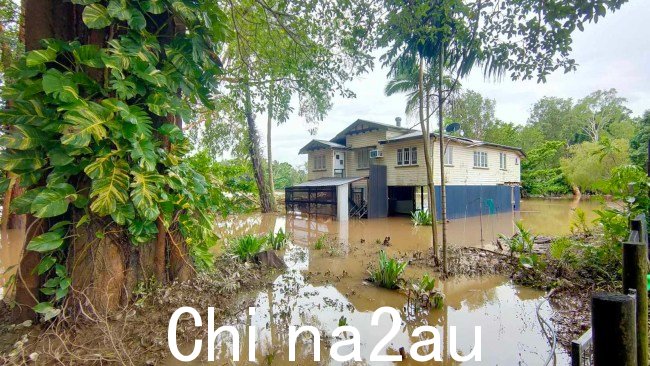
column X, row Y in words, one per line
column 374, row 154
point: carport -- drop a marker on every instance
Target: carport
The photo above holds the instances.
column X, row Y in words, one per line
column 321, row 197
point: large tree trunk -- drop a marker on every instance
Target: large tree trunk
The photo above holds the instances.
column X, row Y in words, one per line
column 255, row 154
column 441, row 143
column 103, row 264
column 427, row 159
column 269, row 154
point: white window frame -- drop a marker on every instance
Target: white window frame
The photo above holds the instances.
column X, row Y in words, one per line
column 481, row 160
column 360, row 158
column 503, row 161
column 407, row 156
column 319, row 162
column 449, row 156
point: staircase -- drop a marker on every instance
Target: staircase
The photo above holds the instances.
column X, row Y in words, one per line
column 358, row 210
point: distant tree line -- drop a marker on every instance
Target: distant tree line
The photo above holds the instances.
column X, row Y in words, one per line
column 571, row 145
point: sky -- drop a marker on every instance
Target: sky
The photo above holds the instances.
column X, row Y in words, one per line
column 614, row 53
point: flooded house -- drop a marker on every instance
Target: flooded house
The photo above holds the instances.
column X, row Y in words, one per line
column 375, row 170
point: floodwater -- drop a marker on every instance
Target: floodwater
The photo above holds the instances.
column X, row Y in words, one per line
column 325, row 288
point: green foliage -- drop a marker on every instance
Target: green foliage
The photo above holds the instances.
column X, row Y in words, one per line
column 579, row 223
column 285, row 175
column 230, row 184
column 426, row 293
column 320, row 242
column 600, row 262
column 639, row 142
column 629, row 188
column 541, row 173
column 100, row 144
column 278, row 240
column 247, row 246
column 589, row 164
column 522, row 242
column 474, row 113
column 389, row 272
column 421, row 217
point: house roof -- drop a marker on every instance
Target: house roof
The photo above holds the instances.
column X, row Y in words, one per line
column 463, row 140
column 329, row 182
column 320, row 144
column 362, row 125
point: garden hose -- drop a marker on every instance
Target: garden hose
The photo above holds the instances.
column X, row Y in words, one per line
column 543, row 322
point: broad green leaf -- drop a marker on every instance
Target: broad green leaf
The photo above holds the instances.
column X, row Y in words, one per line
column 123, row 213
column 16, row 160
column 110, row 189
column 45, row 264
column 22, row 137
column 59, row 225
column 83, row 124
column 100, row 166
column 118, row 9
column 42, row 307
column 60, row 86
column 61, row 293
column 52, row 201
column 142, row 231
column 172, row 131
column 153, row 6
column 89, row 55
column 143, row 151
column 4, row 183
column 96, row 16
column 145, row 194
column 39, row 57
column 28, row 179
column 136, row 20
column 58, row 157
column 49, row 241
column 23, row 203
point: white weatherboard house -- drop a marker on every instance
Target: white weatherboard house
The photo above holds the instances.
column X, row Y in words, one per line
column 373, row 170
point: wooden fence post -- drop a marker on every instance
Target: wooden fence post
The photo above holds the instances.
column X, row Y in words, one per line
column 635, row 270
column 613, row 322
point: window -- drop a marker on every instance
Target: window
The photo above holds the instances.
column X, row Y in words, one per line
column 449, row 155
column 407, row 156
column 516, row 161
column 502, row 161
column 480, row 159
column 363, row 158
column 319, row 162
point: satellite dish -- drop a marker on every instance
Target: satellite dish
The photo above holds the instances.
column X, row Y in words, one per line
column 452, row 127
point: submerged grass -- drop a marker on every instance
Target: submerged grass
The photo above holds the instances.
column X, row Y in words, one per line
column 389, row 272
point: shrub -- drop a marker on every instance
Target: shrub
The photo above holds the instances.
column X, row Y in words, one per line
column 389, row 272
column 320, row 242
column 278, row 240
column 247, row 246
column 522, row 241
column 579, row 223
column 421, row 217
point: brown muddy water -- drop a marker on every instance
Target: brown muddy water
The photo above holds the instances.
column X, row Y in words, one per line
column 323, row 287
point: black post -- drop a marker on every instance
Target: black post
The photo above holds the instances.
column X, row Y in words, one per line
column 613, row 321
column 635, row 269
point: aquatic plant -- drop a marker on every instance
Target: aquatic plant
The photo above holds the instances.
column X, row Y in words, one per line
column 522, row 241
column 247, row 246
column 579, row 223
column 389, row 272
column 320, row 242
column 421, row 218
column 424, row 293
column 278, row 240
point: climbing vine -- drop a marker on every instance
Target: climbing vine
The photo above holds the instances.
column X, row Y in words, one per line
column 94, row 129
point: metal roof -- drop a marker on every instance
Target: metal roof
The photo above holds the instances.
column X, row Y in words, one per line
column 320, row 144
column 459, row 139
column 340, row 137
column 329, row 182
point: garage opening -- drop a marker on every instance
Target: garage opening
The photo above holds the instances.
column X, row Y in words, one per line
column 327, row 197
column 401, row 200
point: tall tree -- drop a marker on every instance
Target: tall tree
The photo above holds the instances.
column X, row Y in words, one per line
column 554, row 117
column 599, row 111
column 303, row 48
column 99, row 103
column 474, row 113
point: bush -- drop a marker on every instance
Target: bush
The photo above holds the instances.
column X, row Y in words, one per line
column 426, row 293
column 421, row 217
column 389, row 272
column 320, row 242
column 247, row 246
column 278, row 240
column 522, row 241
